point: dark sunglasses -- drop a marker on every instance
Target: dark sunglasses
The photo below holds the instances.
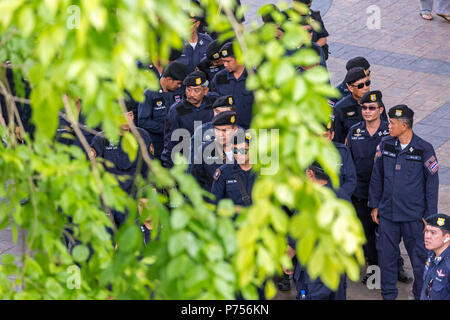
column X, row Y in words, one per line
column 428, row 289
column 240, row 150
column 369, row 108
column 361, row 85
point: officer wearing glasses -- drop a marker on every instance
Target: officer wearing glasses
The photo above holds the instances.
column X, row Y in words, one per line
column 362, row 140
column 347, row 111
column 436, row 284
column 352, row 63
column 235, row 181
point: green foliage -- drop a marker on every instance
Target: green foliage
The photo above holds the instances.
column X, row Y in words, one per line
column 194, row 252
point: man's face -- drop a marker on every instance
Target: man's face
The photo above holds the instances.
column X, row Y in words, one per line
column 329, row 134
column 173, row 84
column 224, row 134
column 371, row 111
column 218, row 110
column 230, row 64
column 130, row 118
column 309, row 29
column 360, row 87
column 434, row 237
column 217, row 63
column 240, row 152
column 195, row 25
column 396, row 127
column 195, row 95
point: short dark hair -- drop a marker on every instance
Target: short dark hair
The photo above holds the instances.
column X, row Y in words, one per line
column 318, row 171
column 408, row 122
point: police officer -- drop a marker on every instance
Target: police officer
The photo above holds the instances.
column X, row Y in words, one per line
column 436, row 283
column 231, row 81
column 194, row 110
column 205, row 132
column 215, row 153
column 235, row 181
column 212, row 63
column 153, row 111
column 125, row 169
column 307, row 288
column 347, row 172
column 403, row 191
column 347, row 111
column 195, row 50
column 353, row 63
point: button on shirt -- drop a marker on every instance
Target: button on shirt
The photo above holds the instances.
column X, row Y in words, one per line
column 436, row 283
column 363, row 146
column 224, row 83
column 404, row 184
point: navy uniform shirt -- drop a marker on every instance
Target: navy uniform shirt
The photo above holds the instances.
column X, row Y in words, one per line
column 152, row 116
column 436, row 283
column 182, row 115
column 192, row 57
column 202, row 134
column 347, row 113
column 343, row 90
column 362, row 147
column 123, row 167
column 65, row 134
column 225, row 185
column 347, row 172
column 404, row 184
column 209, row 69
column 224, row 83
column 323, row 33
column 210, row 159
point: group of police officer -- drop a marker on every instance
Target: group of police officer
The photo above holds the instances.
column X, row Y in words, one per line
column 387, row 172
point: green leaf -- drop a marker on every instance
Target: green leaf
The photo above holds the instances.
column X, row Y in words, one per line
column 7, row 259
column 178, row 219
column 80, row 253
column 130, row 145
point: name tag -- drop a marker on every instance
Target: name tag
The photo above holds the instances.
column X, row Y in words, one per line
column 231, row 181
column 413, row 158
column 389, row 154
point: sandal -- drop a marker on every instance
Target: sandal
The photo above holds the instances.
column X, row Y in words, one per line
column 445, row 16
column 426, row 16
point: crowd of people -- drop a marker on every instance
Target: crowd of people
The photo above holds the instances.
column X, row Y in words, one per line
column 204, row 110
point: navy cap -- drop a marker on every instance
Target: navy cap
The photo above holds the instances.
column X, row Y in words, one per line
column 224, row 119
column 354, row 74
column 401, row 111
column 213, row 50
column 439, row 220
column 196, row 78
column 174, row 54
column 357, row 62
column 242, row 136
column 194, row 16
column 227, row 50
column 176, row 71
column 372, row 96
column 223, row 101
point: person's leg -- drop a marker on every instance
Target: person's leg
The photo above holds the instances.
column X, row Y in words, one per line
column 388, row 252
column 369, row 227
column 443, row 7
column 426, row 6
column 412, row 233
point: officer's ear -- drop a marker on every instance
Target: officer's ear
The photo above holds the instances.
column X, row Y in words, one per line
column 310, row 174
column 350, row 88
column 206, row 90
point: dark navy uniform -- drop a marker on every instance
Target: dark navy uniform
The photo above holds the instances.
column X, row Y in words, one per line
column 404, row 187
column 347, row 113
column 343, row 90
column 436, row 283
column 182, row 115
column 362, row 147
column 225, row 184
column 123, row 167
column 152, row 116
column 65, row 134
column 209, row 69
column 224, row 83
column 347, row 172
column 192, row 57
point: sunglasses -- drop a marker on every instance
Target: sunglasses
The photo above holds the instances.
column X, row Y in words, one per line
column 361, row 85
column 428, row 289
column 240, row 150
column 369, row 108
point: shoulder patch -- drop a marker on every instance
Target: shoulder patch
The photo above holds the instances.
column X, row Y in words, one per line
column 432, row 165
column 92, row 154
column 217, row 174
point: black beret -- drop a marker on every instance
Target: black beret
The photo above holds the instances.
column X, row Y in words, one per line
column 242, row 136
column 267, row 13
column 372, row 96
column 196, row 78
column 401, row 111
column 174, row 54
column 357, row 62
column 227, row 50
column 212, row 51
column 224, row 119
column 354, row 74
column 439, row 220
column 223, row 101
column 176, row 71
column 197, row 17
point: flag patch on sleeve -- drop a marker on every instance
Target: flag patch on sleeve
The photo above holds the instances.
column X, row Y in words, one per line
column 432, row 165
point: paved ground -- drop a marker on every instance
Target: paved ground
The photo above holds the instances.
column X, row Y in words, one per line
column 410, row 64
